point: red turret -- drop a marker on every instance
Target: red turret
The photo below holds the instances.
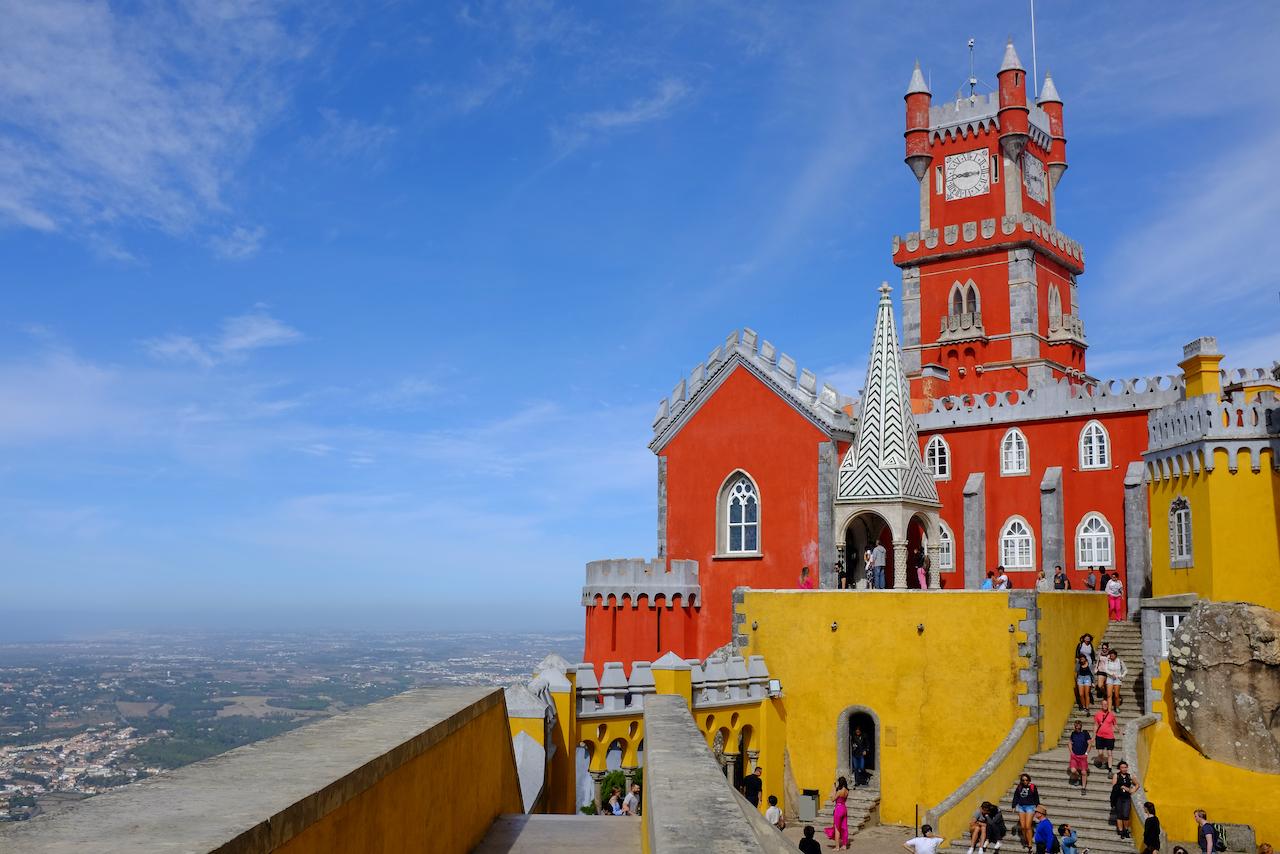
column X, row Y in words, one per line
column 1013, row 104
column 1051, row 103
column 919, row 99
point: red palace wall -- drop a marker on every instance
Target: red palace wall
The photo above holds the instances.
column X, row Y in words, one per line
column 1050, row 443
column 627, row 634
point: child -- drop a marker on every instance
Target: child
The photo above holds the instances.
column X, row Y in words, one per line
column 1067, row 839
column 809, row 845
column 773, row 814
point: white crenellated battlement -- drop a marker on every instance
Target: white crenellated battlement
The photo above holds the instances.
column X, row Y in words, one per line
column 1052, row 400
column 612, row 582
column 969, row 232
column 800, row 386
column 966, row 117
column 1183, row 437
column 719, row 681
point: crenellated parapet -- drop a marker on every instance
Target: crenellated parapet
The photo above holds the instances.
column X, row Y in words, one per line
column 616, row 581
column 982, row 234
column 1060, row 399
column 1183, row 437
column 799, row 386
column 968, row 116
column 719, row 681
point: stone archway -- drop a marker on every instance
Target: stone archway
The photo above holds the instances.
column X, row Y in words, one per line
column 861, row 532
column 850, row 717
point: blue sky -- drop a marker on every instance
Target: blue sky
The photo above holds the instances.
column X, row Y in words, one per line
column 356, row 313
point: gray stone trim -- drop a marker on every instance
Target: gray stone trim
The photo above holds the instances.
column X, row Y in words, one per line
column 1129, row 753
column 984, row 772
column 842, row 738
column 1024, row 308
column 1030, row 649
column 1137, row 543
column 618, row 579
column 1031, row 231
column 1052, row 533
column 975, row 530
column 1061, row 399
column 662, row 506
column 828, row 466
column 739, row 619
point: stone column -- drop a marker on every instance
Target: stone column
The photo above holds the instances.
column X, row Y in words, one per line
column 1137, row 546
column 730, row 760
column 1052, row 532
column 899, row 564
column 597, row 781
column 828, row 470
column 935, row 583
column 628, row 774
column 975, row 530
column 753, row 759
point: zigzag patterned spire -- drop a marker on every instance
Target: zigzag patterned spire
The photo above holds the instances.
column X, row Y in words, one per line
column 884, row 463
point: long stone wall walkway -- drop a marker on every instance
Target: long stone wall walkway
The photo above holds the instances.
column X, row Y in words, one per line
column 564, row 834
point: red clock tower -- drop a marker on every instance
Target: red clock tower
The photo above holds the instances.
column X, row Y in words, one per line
column 989, row 282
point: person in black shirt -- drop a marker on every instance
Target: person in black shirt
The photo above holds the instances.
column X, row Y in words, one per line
column 1204, row 835
column 1122, row 788
column 1026, row 797
column 752, row 785
column 1150, row 830
column 809, row 845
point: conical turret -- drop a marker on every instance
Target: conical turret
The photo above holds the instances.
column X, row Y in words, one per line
column 1014, row 112
column 919, row 99
column 1051, row 103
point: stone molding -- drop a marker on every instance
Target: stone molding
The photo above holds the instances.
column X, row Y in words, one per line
column 987, row 233
column 1182, row 436
column 616, row 580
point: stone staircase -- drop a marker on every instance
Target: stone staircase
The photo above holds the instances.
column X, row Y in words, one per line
column 1086, row 813
column 862, row 804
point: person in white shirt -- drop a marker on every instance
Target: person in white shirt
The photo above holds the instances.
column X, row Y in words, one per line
column 631, row 803
column 1115, row 670
column 1002, row 580
column 1115, row 598
column 773, row 814
column 925, row 843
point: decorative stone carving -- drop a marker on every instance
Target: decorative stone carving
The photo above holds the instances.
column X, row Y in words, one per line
column 1225, row 661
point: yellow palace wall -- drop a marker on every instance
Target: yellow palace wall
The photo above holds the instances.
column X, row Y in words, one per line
column 1235, row 532
column 1179, row 780
column 945, row 698
column 1064, row 617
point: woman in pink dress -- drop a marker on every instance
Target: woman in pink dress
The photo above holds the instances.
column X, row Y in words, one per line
column 806, row 580
column 839, row 829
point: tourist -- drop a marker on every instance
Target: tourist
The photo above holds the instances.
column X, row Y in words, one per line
column 806, row 580
column 922, row 570
column 1043, row 834
column 1067, row 838
column 990, row 583
column 868, row 571
column 1099, row 675
column 1115, row 671
column 631, row 803
column 752, row 785
column 925, row 843
column 1084, row 683
column 809, row 845
column 1151, row 830
column 978, row 829
column 1115, row 598
column 1002, row 579
column 842, row 575
column 1026, row 800
column 860, row 746
column 1085, row 648
column 1122, row 788
column 773, row 814
column 1104, row 735
column 1078, row 760
column 614, row 806
column 1178, row 849
column 839, row 829
column 1204, row 833
column 878, row 558
column 1091, row 580
column 1043, row 583
column 1060, row 580
column 996, row 831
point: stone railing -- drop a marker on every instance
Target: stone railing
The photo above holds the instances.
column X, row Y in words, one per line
column 989, row 782
column 612, row 581
column 719, row 681
column 974, row 233
column 383, row 777
column 1052, row 400
column 778, row 370
column 689, row 806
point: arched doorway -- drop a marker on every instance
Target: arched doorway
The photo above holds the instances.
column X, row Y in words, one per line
column 853, row 721
column 861, row 533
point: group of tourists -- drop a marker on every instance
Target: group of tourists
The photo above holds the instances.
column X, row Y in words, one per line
column 1099, row 674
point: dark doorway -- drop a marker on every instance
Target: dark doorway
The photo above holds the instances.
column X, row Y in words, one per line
column 867, row 724
column 862, row 533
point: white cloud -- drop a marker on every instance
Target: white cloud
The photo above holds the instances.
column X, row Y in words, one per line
column 239, row 336
column 238, row 244
column 345, row 137
column 581, row 128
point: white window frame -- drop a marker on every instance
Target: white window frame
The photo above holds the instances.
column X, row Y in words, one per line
column 940, row 465
column 724, row 516
column 1012, row 439
column 1011, row 560
column 1170, row 621
column 1095, row 446
column 946, row 548
column 1094, row 539
column 1181, row 547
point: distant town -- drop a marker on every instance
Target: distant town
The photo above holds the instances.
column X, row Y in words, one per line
column 78, row 718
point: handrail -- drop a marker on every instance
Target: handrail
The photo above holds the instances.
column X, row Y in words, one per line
column 999, row 755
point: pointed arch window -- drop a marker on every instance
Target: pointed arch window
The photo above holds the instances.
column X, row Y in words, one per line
column 1094, row 543
column 1055, row 307
column 1017, row 545
column 1095, row 447
column 937, row 458
column 739, row 516
column 1014, row 454
column 957, row 302
column 1180, row 553
column 946, row 547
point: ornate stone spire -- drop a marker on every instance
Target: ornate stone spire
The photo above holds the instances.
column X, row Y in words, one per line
column 884, row 462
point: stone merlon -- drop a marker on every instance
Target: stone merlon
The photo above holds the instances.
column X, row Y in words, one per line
column 630, row 578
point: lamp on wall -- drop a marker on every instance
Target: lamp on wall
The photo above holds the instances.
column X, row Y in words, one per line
column 834, row 625
column 919, row 628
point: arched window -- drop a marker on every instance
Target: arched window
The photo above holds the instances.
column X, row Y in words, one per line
column 1180, row 533
column 946, row 547
column 1093, row 542
column 1055, row 306
column 1017, row 546
column 1095, row 447
column 740, row 516
column 971, row 299
column 937, row 458
column 1013, row 453
column 957, row 302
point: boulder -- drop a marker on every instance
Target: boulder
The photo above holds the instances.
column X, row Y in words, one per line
column 1225, row 663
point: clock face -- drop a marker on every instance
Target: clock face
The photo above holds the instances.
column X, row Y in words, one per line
column 1033, row 178
column 968, row 174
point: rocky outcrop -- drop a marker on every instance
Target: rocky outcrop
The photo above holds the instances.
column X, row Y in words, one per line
column 1225, row 661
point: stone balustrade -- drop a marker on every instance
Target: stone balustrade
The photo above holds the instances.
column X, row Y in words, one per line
column 720, row 681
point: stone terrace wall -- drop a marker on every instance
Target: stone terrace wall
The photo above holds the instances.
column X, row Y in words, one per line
column 427, row 770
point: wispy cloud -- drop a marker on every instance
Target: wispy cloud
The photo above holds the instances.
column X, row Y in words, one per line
column 346, row 137
column 582, row 128
column 240, row 243
column 239, row 336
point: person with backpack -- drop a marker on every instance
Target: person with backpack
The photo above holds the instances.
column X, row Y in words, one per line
column 1045, row 840
column 1026, row 800
column 1207, row 835
column 1060, row 580
column 1122, row 788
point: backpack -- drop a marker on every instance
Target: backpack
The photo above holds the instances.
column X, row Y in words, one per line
column 1219, row 842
